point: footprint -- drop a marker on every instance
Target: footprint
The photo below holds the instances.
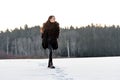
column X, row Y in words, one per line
column 57, row 73
column 61, row 75
column 42, row 64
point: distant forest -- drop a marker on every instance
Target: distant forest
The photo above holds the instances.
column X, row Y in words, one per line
column 87, row 41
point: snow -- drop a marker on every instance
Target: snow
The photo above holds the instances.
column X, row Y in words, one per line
column 105, row 68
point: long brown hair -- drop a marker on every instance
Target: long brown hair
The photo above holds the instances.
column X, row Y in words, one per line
column 46, row 23
column 50, row 17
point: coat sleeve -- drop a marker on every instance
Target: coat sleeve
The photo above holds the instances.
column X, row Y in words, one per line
column 43, row 30
column 42, row 36
column 58, row 30
column 45, row 34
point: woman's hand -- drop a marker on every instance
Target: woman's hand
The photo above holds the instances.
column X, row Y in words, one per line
column 41, row 30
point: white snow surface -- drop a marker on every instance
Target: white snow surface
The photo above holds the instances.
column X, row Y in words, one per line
column 104, row 68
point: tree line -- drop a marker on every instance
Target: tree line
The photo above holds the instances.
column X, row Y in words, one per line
column 87, row 41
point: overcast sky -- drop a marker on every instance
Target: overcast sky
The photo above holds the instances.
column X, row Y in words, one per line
column 16, row 13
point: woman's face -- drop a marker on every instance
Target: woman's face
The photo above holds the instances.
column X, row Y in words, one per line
column 52, row 20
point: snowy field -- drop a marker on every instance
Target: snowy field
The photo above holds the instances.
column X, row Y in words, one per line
column 66, row 69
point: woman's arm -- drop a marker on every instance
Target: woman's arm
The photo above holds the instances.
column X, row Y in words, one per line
column 42, row 30
column 58, row 30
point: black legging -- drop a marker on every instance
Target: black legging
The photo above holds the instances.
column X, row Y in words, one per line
column 50, row 63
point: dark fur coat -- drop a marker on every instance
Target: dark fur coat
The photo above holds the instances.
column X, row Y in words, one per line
column 51, row 33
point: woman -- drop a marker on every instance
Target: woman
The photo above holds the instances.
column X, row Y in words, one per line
column 50, row 33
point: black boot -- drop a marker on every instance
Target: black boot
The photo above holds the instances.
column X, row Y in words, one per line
column 52, row 67
column 50, row 64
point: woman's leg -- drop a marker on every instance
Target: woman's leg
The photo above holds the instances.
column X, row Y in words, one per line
column 50, row 63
